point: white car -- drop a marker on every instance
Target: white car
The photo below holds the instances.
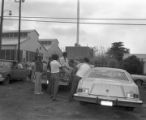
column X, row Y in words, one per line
column 108, row 87
column 139, row 79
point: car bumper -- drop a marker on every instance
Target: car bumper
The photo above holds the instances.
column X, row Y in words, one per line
column 115, row 101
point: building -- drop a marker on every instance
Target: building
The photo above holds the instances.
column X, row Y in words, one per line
column 52, row 46
column 79, row 52
column 142, row 57
column 29, row 45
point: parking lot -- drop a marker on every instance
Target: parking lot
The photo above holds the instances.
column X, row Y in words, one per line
column 17, row 102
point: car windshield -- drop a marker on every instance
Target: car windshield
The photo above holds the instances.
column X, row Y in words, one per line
column 108, row 74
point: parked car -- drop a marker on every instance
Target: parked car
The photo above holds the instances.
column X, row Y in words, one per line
column 108, row 87
column 9, row 72
column 139, row 79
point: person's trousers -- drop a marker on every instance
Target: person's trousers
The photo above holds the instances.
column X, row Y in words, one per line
column 54, row 84
column 50, row 82
column 74, row 86
column 38, row 87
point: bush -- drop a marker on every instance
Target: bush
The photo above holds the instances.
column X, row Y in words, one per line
column 133, row 65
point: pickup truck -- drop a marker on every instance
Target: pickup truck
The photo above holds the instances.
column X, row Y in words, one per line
column 8, row 72
column 139, row 79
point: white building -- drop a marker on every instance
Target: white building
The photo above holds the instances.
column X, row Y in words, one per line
column 52, row 45
column 29, row 45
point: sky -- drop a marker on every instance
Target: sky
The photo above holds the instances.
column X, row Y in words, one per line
column 93, row 33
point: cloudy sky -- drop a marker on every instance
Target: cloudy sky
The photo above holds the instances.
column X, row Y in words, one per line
column 94, row 30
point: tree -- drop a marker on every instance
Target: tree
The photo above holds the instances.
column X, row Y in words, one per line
column 133, row 65
column 117, row 51
column 113, row 63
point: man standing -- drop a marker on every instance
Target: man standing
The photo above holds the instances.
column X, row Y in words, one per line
column 83, row 68
column 38, row 73
column 55, row 69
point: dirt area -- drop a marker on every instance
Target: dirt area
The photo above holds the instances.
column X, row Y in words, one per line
column 18, row 102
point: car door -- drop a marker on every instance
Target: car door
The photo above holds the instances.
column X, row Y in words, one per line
column 18, row 73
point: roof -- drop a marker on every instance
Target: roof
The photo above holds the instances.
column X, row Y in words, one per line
column 16, row 31
column 40, row 40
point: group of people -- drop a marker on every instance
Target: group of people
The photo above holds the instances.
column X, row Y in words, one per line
column 55, row 65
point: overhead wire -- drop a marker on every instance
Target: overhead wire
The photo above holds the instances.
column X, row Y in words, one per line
column 43, row 17
column 60, row 20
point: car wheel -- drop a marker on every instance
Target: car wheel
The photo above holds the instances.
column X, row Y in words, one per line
column 139, row 83
column 7, row 80
column 83, row 103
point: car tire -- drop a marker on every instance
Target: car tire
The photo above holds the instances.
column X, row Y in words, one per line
column 7, row 80
column 83, row 103
column 139, row 83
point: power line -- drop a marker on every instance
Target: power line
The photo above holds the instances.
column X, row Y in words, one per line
column 100, row 23
column 37, row 17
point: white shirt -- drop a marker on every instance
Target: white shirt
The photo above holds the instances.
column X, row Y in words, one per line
column 82, row 69
column 55, row 65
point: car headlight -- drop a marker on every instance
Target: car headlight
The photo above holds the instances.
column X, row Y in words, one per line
column 83, row 90
column 132, row 95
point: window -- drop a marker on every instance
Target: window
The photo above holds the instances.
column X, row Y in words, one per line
column 8, row 54
column 2, row 56
column 49, row 42
column 108, row 74
column 23, row 34
column 15, row 34
column 30, row 56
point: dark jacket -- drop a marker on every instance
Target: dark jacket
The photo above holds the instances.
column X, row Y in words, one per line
column 39, row 66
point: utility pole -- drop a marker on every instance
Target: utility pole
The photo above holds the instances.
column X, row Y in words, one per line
column 19, row 29
column 19, row 32
column 78, row 22
column 1, row 25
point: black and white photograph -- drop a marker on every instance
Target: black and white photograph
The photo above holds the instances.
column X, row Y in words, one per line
column 72, row 60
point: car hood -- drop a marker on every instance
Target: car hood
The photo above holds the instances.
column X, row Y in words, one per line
column 108, row 87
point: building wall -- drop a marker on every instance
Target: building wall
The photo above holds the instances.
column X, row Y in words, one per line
column 33, row 45
column 54, row 49
column 79, row 52
column 52, row 46
column 144, row 68
column 29, row 43
column 9, row 47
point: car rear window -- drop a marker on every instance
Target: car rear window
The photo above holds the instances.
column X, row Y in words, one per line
column 108, row 74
